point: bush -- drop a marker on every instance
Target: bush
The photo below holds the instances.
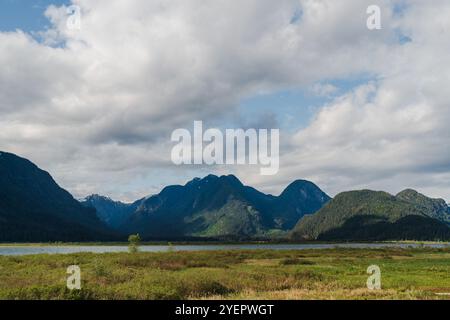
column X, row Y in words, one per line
column 134, row 240
column 100, row 270
column 202, row 288
column 296, row 261
column 50, row 293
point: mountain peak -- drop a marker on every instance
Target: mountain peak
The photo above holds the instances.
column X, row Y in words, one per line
column 211, row 178
column 14, row 160
column 197, row 181
column 436, row 208
column 303, row 189
column 232, row 180
column 415, row 196
column 112, row 212
column 97, row 197
column 301, row 182
column 408, row 193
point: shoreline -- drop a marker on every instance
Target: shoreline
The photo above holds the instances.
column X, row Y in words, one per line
column 209, row 243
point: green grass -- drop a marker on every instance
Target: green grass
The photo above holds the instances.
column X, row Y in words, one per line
column 260, row 274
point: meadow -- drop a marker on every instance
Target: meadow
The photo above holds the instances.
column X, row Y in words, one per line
column 420, row 273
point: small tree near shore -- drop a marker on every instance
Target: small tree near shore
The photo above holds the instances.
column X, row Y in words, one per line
column 133, row 243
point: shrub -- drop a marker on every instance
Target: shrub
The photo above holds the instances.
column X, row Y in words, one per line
column 295, row 261
column 134, row 240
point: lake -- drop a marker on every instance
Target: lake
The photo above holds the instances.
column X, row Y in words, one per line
column 67, row 249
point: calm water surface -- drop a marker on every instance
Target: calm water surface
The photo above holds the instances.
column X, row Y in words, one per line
column 28, row 250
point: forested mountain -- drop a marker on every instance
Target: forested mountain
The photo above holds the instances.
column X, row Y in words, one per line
column 436, row 208
column 34, row 208
column 223, row 207
column 368, row 215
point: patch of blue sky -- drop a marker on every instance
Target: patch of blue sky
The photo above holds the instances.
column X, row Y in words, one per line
column 297, row 16
column 403, row 38
column 295, row 109
column 26, row 15
column 400, row 7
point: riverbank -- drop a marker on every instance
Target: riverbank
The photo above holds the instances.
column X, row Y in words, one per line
column 182, row 243
column 23, row 250
column 406, row 273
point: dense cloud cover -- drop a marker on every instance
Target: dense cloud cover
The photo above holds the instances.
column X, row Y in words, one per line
column 96, row 106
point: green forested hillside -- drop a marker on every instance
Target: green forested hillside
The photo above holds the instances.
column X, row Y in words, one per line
column 436, row 208
column 223, row 207
column 369, row 215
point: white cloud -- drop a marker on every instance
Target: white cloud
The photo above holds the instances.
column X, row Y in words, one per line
column 393, row 133
column 96, row 107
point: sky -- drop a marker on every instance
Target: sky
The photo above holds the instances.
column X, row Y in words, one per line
column 356, row 108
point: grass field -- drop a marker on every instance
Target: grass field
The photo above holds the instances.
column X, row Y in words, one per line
column 262, row 274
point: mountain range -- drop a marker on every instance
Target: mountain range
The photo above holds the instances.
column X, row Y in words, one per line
column 33, row 208
column 214, row 207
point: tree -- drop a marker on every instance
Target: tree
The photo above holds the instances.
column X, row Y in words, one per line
column 133, row 242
